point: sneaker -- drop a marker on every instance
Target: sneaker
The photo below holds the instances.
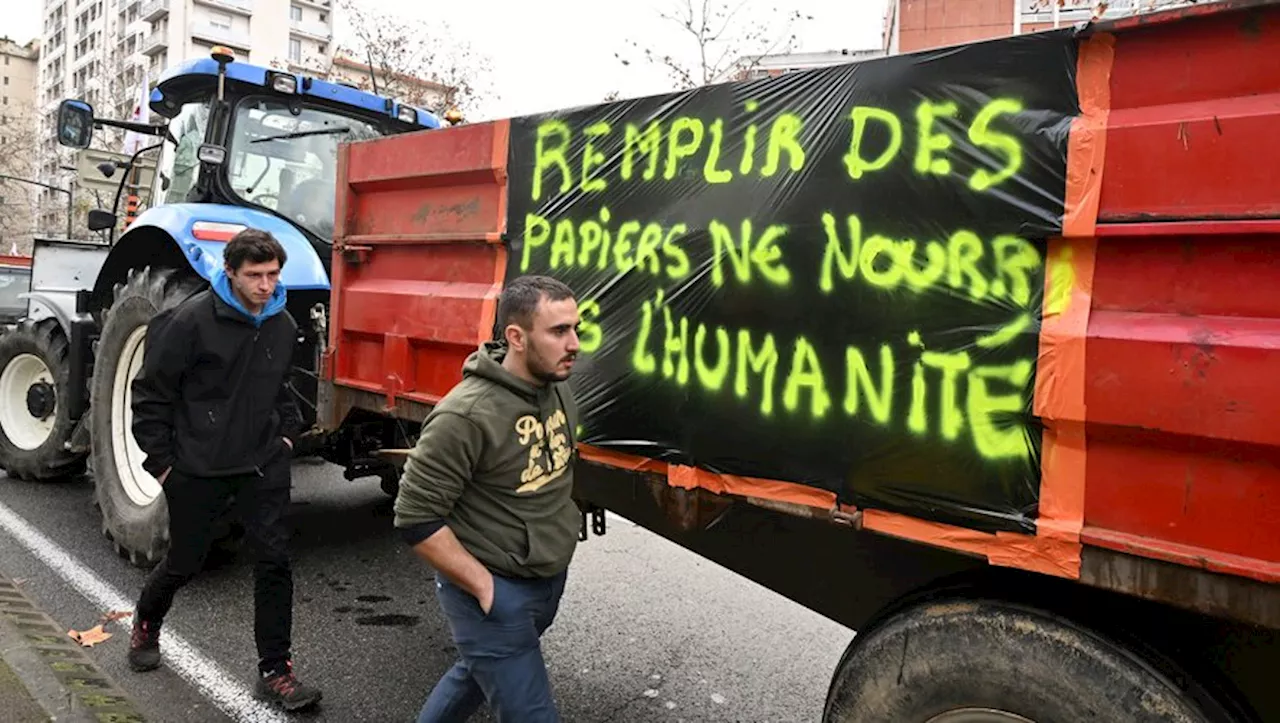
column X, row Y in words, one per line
column 284, row 688
column 144, row 646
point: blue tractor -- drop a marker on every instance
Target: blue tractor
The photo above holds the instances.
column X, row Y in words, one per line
column 243, row 146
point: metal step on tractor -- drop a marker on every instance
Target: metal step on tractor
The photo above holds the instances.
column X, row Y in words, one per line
column 241, row 146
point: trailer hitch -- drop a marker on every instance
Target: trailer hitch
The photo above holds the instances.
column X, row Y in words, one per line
column 597, row 522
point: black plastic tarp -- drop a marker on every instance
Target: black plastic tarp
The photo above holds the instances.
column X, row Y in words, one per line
column 832, row 277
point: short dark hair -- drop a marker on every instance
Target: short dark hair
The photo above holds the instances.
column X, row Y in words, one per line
column 520, row 298
column 253, row 246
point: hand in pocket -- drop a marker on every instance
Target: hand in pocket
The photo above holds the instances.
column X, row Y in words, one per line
column 486, row 596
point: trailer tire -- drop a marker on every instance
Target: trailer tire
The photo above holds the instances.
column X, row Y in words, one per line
column 135, row 516
column 997, row 662
column 34, row 399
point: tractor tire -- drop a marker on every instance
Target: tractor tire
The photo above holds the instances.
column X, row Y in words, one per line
column 34, row 401
column 135, row 516
column 985, row 661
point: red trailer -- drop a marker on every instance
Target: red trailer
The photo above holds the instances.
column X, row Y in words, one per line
column 1140, row 580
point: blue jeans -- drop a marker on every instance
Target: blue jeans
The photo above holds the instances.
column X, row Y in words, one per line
column 499, row 654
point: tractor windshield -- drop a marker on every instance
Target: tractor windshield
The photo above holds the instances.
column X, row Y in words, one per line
column 286, row 159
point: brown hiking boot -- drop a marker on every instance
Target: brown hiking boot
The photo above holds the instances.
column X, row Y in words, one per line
column 284, row 688
column 144, row 646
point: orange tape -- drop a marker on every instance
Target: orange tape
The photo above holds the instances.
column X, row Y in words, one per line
column 1087, row 145
column 1038, row 554
column 775, row 490
column 629, row 462
column 1059, row 401
column 1068, row 297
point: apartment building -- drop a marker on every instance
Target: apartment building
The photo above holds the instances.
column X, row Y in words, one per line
column 410, row 89
column 768, row 66
column 912, row 25
column 18, row 141
column 297, row 33
column 100, row 50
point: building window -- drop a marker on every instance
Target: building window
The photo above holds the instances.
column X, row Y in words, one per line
column 295, row 51
column 295, row 13
column 220, row 21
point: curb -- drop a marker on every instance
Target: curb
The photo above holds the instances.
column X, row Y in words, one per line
column 56, row 672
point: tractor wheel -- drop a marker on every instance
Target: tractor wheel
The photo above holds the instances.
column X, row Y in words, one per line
column 34, row 400
column 989, row 661
column 134, row 513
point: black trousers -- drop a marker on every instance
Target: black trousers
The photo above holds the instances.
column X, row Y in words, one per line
column 195, row 504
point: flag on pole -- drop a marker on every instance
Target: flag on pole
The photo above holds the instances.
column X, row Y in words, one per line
column 134, row 142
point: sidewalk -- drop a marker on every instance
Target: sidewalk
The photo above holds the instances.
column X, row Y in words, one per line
column 45, row 675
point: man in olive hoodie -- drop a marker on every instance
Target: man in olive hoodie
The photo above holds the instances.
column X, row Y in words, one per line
column 486, row 499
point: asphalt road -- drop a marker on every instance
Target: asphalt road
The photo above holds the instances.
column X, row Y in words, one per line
column 647, row 631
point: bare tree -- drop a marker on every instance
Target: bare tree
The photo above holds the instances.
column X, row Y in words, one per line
column 19, row 150
column 421, row 63
column 726, row 39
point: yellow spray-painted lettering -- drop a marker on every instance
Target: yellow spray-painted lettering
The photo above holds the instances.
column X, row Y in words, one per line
column 991, row 439
column 644, row 247
column 980, row 134
column 763, row 362
column 960, row 262
column 711, row 170
column 592, row 158
column 590, row 333
column 679, row 148
column 877, row 137
column 712, row 378
column 648, row 141
column 746, row 358
column 551, row 148
column 676, row 345
column 806, row 372
column 879, row 401
column 949, row 392
column 951, row 366
column 931, row 142
column 749, row 146
column 762, row 254
column 653, row 148
column 1004, row 149
column 853, row 160
column 784, row 136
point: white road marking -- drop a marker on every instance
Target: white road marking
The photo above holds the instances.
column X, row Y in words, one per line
column 212, row 680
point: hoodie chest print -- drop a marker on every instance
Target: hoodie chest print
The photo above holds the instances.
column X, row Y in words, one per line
column 548, row 450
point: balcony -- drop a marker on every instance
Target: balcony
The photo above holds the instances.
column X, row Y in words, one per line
column 157, row 42
column 317, row 4
column 311, row 29
column 219, row 35
column 155, row 10
column 243, row 7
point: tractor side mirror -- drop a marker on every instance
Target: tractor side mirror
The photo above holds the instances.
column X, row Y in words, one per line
column 100, row 220
column 75, row 123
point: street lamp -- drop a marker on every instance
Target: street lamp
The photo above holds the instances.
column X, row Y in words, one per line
column 70, row 195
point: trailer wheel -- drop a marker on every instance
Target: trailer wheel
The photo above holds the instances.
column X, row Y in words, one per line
column 134, row 514
column 997, row 662
column 34, row 389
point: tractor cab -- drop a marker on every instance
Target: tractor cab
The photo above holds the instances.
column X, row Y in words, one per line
column 241, row 135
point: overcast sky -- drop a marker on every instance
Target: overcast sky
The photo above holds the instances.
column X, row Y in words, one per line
column 551, row 55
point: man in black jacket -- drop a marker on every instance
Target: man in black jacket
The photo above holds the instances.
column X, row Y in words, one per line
column 213, row 413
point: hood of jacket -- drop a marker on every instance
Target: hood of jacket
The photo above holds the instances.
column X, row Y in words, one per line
column 222, row 287
column 486, row 363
